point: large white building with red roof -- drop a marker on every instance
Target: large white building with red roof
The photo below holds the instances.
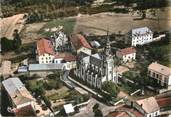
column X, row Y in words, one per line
column 148, row 106
column 45, row 51
column 160, row 73
column 80, row 44
column 126, row 54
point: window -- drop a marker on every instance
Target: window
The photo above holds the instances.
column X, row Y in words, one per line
column 153, row 74
column 157, row 75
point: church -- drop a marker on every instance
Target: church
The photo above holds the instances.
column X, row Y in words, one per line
column 97, row 68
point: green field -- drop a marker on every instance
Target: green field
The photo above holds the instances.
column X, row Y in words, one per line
column 68, row 25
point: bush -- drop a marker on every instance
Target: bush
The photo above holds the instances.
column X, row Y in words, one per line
column 47, row 102
column 7, row 45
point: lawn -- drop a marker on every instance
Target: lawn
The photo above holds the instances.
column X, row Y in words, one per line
column 68, row 25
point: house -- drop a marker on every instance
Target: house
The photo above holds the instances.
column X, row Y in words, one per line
column 160, row 73
column 148, row 106
column 120, row 70
column 45, row 51
column 47, row 55
column 22, row 102
column 140, row 36
column 60, row 40
column 64, row 57
column 126, row 54
column 96, row 68
column 80, row 44
column 6, row 69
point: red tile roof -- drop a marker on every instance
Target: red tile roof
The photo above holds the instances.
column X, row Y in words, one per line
column 79, row 41
column 25, row 111
column 126, row 51
column 164, row 102
column 149, row 104
column 44, row 46
column 65, row 56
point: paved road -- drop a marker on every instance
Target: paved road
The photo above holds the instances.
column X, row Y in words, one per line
column 88, row 112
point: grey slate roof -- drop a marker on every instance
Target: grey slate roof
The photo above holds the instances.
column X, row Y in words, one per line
column 45, row 67
column 17, row 91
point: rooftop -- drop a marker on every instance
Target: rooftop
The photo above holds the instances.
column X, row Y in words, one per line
column 44, row 46
column 149, row 105
column 17, row 91
column 160, row 68
column 126, row 51
column 68, row 108
column 121, row 69
column 65, row 56
column 45, row 67
column 141, row 31
column 79, row 41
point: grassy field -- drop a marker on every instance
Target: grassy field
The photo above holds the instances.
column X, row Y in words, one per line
column 68, row 26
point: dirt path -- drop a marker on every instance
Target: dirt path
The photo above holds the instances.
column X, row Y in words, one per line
column 9, row 24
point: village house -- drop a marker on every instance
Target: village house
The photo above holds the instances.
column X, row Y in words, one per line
column 22, row 102
column 47, row 55
column 80, row 44
column 45, row 52
column 148, row 107
column 140, row 36
column 160, row 73
column 61, row 40
column 96, row 68
column 126, row 54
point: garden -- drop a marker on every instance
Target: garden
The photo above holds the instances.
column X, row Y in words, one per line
column 53, row 91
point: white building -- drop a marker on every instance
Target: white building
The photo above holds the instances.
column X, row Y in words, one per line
column 141, row 36
column 160, row 73
column 149, row 107
column 47, row 55
column 60, row 40
column 45, row 51
column 97, row 68
column 80, row 44
column 126, row 54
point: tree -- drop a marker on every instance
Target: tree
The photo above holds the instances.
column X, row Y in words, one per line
column 111, row 88
column 97, row 111
column 6, row 44
column 95, row 107
column 47, row 102
column 17, row 39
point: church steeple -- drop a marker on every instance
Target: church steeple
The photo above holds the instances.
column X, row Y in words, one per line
column 107, row 48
